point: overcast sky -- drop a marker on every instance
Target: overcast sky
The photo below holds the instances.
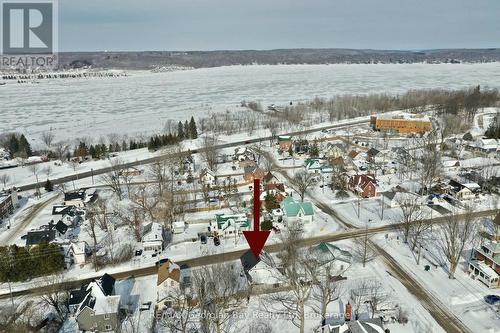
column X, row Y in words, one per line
column 126, row 25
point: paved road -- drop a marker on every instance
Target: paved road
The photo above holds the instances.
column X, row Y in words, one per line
column 150, row 160
column 235, row 255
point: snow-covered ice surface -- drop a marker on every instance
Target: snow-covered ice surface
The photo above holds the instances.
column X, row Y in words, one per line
column 143, row 102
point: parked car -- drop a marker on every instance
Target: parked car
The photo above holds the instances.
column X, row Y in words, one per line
column 492, row 299
column 203, row 239
column 216, row 241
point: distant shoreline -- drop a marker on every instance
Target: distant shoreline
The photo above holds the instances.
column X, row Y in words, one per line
column 148, row 60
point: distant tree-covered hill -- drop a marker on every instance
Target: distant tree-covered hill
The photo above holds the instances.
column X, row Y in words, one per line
column 201, row 59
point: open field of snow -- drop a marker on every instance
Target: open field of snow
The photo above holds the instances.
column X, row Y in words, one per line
column 143, row 102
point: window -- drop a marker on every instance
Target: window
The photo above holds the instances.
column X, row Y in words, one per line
column 107, row 327
column 106, row 316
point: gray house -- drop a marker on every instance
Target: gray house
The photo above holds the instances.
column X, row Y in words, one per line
column 99, row 307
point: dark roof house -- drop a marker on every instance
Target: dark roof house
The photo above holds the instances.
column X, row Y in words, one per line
column 61, row 227
column 45, row 235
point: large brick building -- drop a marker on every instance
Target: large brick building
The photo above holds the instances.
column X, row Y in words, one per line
column 403, row 123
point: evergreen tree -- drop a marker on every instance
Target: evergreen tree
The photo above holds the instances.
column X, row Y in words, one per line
column 180, row 130
column 187, row 135
column 48, row 186
column 193, row 131
column 13, row 144
column 92, row 152
column 24, row 146
column 314, row 151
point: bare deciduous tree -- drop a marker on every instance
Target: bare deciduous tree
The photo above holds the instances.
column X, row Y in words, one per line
column 429, row 162
column 113, row 178
column 4, row 178
column 145, row 200
column 158, row 171
column 299, row 270
column 47, row 170
column 303, row 180
column 56, row 294
column 48, row 138
column 219, row 293
column 179, row 317
column 411, row 211
column 458, row 232
column 363, row 250
column 326, row 290
column 61, row 149
column 209, row 151
column 376, row 296
column 91, row 229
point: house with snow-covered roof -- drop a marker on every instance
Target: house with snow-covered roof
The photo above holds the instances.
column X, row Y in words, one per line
column 95, row 305
column 487, row 145
column 261, row 270
column 152, row 237
column 229, row 225
column 363, row 185
column 207, row 177
column 313, row 165
column 485, row 264
column 78, row 252
column 171, row 278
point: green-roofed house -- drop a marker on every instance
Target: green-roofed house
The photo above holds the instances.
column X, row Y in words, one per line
column 313, row 165
column 326, row 253
column 229, row 224
column 296, row 211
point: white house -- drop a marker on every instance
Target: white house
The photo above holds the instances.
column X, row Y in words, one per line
column 487, row 145
column 396, row 198
column 170, row 279
column 178, row 227
column 152, row 237
column 334, row 151
column 78, row 252
column 465, row 194
column 207, row 177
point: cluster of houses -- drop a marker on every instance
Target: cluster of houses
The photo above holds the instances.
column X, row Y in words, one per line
column 64, row 232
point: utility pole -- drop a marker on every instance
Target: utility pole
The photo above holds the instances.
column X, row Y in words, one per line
column 359, row 205
column 11, row 265
column 383, row 197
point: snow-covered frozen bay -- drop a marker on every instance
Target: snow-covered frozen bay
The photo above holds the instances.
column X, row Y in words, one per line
column 143, row 102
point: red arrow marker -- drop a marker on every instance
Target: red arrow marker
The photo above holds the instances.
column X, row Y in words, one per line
column 256, row 238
